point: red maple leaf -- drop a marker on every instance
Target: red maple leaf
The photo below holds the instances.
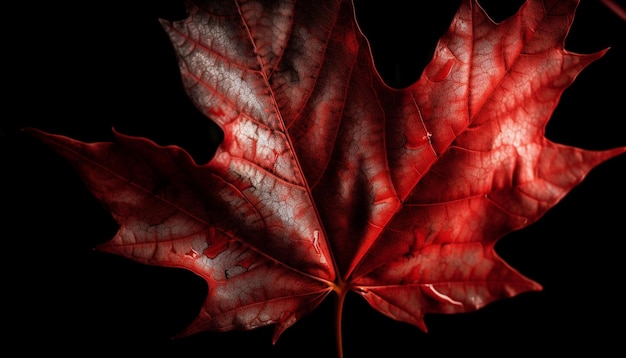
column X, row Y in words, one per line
column 328, row 180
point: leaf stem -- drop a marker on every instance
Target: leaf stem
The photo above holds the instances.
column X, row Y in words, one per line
column 341, row 297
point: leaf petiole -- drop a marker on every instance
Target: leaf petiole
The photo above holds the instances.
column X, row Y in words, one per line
column 341, row 297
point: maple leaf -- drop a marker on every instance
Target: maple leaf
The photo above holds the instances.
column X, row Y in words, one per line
column 328, row 180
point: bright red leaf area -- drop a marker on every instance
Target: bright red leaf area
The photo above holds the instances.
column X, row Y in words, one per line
column 328, row 180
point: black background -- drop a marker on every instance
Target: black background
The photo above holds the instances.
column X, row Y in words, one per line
column 82, row 68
